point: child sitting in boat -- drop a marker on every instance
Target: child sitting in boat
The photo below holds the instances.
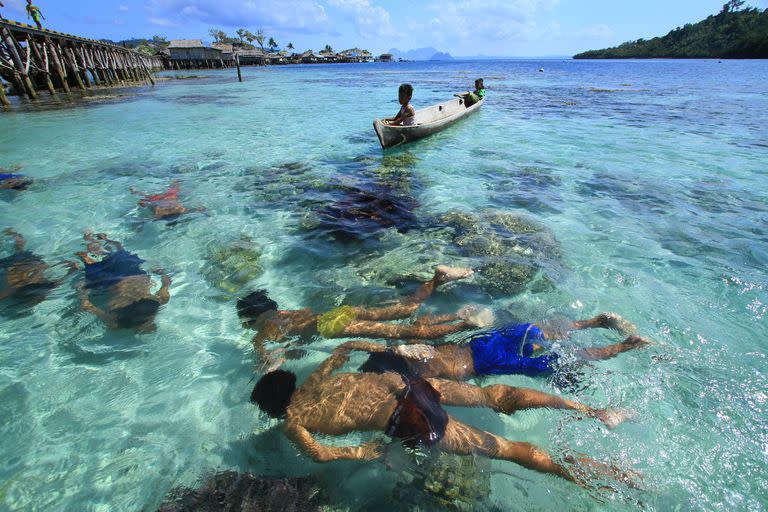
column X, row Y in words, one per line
column 407, row 114
column 479, row 93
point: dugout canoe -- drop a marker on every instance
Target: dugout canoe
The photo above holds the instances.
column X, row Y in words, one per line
column 428, row 121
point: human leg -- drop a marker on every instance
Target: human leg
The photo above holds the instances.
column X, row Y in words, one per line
column 367, row 329
column 509, row 399
column 404, row 309
column 462, row 439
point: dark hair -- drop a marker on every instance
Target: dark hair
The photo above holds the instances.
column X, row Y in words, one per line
column 479, row 80
column 273, row 392
column 254, row 304
column 136, row 313
column 406, row 88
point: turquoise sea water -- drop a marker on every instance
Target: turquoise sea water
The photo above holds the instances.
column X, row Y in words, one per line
column 648, row 183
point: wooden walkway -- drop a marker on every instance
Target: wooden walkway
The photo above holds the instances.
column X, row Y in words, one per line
column 33, row 60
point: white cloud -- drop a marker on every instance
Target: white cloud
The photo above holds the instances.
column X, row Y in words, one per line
column 370, row 20
column 122, row 8
column 296, row 15
column 487, row 19
column 599, row 31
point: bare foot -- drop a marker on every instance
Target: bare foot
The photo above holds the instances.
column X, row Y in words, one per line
column 445, row 274
column 418, row 352
column 615, row 417
column 634, row 341
column 474, row 315
column 616, row 322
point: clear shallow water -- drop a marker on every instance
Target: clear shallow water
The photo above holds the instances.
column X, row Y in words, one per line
column 651, row 176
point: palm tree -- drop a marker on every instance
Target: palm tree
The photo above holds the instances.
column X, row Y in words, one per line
column 290, row 46
column 272, row 44
column 328, row 49
column 241, row 33
column 260, row 38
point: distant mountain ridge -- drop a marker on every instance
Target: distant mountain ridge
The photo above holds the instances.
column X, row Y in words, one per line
column 731, row 34
column 427, row 53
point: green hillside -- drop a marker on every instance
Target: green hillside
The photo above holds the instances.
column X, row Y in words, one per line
column 731, row 34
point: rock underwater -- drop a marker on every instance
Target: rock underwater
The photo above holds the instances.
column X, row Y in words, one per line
column 230, row 267
column 229, row 491
column 510, row 252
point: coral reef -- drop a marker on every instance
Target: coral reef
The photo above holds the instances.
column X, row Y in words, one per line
column 229, row 491
column 230, row 267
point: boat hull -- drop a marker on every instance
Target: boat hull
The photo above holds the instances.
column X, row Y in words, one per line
column 428, row 121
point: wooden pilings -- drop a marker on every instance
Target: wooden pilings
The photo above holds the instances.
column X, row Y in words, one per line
column 33, row 60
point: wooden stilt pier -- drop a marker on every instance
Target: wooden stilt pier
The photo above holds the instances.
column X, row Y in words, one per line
column 33, row 60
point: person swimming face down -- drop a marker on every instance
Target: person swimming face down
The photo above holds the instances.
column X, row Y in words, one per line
column 273, row 392
column 251, row 308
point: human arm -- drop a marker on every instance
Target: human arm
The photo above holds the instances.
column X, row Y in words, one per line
column 323, row 453
column 18, row 240
column 87, row 305
column 163, row 295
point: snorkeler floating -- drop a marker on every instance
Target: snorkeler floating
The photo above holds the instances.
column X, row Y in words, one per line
column 258, row 311
column 117, row 273
column 25, row 278
column 409, row 409
column 507, row 351
column 165, row 206
column 14, row 181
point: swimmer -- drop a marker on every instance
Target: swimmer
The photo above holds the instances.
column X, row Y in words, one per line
column 110, row 269
column 14, row 182
column 25, row 273
column 165, row 206
column 510, row 350
column 258, row 311
column 409, row 409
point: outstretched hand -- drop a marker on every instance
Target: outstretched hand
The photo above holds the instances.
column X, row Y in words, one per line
column 370, row 450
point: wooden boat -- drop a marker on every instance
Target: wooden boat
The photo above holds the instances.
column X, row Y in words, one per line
column 428, row 121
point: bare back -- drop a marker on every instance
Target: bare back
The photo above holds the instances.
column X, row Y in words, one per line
column 345, row 402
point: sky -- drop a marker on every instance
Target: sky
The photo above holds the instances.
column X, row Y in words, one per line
column 508, row 28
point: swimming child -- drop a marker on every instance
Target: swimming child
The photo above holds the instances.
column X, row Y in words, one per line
column 510, row 350
column 117, row 274
column 409, row 409
column 165, row 206
column 471, row 98
column 14, row 181
column 407, row 114
column 24, row 273
column 258, row 311
column 34, row 13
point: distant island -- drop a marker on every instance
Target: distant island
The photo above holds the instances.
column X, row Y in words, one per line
column 734, row 33
column 428, row 53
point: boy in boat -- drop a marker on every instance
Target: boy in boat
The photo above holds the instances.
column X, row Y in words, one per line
column 24, row 276
column 510, row 350
column 479, row 93
column 407, row 114
column 110, row 269
column 258, row 311
column 34, row 13
column 165, row 206
column 410, row 409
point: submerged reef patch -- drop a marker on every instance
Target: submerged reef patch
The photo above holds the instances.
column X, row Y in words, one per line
column 245, row 492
